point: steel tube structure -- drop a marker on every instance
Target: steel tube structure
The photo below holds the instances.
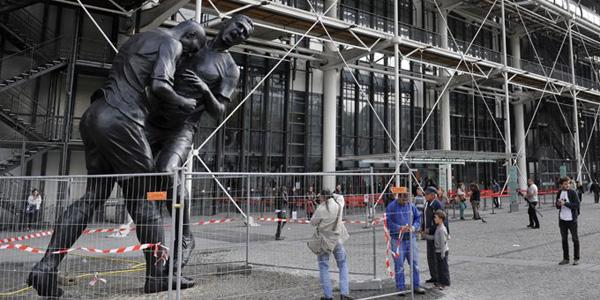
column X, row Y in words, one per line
column 575, row 112
column 397, row 90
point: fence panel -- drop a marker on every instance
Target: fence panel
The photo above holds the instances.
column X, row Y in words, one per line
column 107, row 259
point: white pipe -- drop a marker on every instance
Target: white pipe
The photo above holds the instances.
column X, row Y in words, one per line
column 575, row 112
column 97, row 26
column 397, row 92
column 198, row 16
column 507, row 131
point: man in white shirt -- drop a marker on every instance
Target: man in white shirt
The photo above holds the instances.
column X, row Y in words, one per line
column 567, row 202
column 34, row 203
column 532, row 201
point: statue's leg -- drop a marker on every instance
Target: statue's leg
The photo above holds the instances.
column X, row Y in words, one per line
column 67, row 230
column 132, row 154
column 75, row 218
column 173, row 155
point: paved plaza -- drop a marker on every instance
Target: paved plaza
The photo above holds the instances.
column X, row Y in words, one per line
column 500, row 259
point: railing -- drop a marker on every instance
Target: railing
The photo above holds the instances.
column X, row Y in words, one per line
column 25, row 22
column 374, row 21
column 32, row 57
column 98, row 51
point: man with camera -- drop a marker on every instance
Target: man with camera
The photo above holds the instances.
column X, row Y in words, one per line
column 567, row 202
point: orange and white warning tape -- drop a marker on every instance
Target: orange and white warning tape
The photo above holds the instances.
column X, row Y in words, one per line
column 120, row 250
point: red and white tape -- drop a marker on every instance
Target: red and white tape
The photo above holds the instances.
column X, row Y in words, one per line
column 210, row 222
column 26, row 237
column 388, row 238
column 305, row 221
column 299, row 221
column 106, row 230
column 101, row 230
column 199, row 223
column 120, row 250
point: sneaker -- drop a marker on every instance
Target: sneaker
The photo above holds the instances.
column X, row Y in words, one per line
column 345, row 297
column 420, row 291
column 530, row 226
column 279, row 238
column 564, row 262
column 430, row 280
column 576, row 262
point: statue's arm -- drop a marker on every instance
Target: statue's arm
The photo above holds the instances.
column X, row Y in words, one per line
column 214, row 104
column 163, row 77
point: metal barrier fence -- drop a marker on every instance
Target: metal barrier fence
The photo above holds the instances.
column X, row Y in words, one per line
column 233, row 222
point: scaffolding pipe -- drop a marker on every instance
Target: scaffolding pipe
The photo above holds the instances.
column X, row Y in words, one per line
column 397, row 91
column 575, row 112
column 198, row 16
column 507, row 132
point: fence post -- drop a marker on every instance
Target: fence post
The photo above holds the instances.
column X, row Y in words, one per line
column 173, row 233
column 181, row 209
column 248, row 221
column 371, row 205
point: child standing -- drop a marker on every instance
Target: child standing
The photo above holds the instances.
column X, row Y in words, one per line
column 440, row 239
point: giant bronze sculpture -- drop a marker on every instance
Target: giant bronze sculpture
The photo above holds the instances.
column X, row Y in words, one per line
column 211, row 76
column 113, row 132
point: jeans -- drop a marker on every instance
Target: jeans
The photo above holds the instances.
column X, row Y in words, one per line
column 565, row 227
column 442, row 270
column 533, row 219
column 462, row 205
column 340, row 257
column 404, row 254
column 475, row 207
column 280, row 215
column 431, row 261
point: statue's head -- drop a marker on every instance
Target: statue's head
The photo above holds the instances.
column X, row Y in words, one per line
column 236, row 30
column 191, row 35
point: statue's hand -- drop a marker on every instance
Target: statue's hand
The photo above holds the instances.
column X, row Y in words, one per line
column 191, row 77
column 188, row 105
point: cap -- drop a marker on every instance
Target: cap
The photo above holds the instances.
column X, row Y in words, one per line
column 399, row 190
column 431, row 190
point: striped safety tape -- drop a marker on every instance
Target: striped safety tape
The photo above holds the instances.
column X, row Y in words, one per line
column 100, row 230
column 26, row 237
column 120, row 250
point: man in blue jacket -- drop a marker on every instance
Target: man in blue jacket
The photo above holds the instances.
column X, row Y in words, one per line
column 567, row 202
column 403, row 219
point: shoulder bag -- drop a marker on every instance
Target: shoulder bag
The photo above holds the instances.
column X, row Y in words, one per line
column 317, row 243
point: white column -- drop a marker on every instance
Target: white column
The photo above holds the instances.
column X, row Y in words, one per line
column 330, row 78
column 445, row 133
column 518, row 114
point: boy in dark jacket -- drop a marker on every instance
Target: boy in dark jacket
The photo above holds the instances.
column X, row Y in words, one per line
column 567, row 202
